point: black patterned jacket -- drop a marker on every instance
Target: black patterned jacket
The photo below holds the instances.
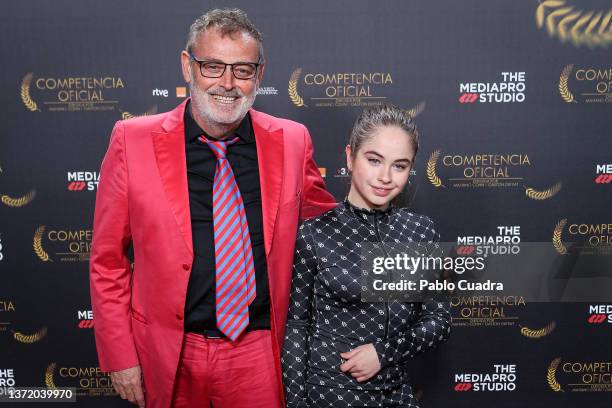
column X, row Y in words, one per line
column 326, row 315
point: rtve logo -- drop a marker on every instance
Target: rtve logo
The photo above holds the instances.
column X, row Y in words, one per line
column 466, row 386
column 600, row 314
column 468, row 98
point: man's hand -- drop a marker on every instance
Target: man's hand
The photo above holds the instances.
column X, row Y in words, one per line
column 128, row 384
column 362, row 362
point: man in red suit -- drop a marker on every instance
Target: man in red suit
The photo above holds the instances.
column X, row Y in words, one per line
column 161, row 328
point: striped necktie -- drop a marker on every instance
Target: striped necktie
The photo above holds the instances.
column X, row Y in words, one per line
column 235, row 269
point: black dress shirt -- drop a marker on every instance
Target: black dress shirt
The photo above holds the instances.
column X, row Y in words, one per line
column 200, row 306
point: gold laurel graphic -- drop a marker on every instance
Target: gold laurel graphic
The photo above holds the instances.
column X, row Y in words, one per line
column 18, row 202
column 580, row 27
column 38, row 249
column 550, row 377
column 293, row 93
column 539, row 333
column 545, row 194
column 31, row 338
column 25, row 93
column 556, row 239
column 128, row 115
column 566, row 94
column 417, row 110
column 431, row 169
column 49, row 376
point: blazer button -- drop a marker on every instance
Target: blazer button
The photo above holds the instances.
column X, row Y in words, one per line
column 179, row 316
column 186, row 267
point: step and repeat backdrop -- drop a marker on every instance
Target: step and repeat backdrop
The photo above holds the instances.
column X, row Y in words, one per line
column 514, row 103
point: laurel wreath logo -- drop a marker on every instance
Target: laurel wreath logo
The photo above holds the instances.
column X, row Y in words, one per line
column 38, row 249
column 588, row 27
column 566, row 94
column 550, row 377
column 545, row 194
column 25, row 93
column 556, row 238
column 293, row 92
column 128, row 115
column 431, row 169
column 49, row 376
column 539, row 333
column 30, row 338
column 417, row 109
column 18, row 202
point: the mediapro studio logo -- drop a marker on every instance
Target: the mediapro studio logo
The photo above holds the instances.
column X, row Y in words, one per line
column 64, row 245
column 506, row 241
column 510, row 89
column 85, row 319
column 599, row 314
column 578, row 22
column 585, row 84
column 579, row 375
column 338, row 89
column 7, row 380
column 485, row 170
column 587, row 238
column 502, row 379
column 89, row 381
column 83, row 180
column 603, row 174
column 71, row 93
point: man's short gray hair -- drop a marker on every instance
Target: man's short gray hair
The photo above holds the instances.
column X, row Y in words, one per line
column 228, row 22
column 380, row 116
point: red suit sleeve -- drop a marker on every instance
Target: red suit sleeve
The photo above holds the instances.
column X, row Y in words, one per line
column 315, row 200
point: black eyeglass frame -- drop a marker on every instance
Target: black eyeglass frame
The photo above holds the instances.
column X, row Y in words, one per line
column 201, row 62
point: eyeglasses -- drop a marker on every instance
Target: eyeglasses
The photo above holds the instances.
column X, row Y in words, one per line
column 216, row 69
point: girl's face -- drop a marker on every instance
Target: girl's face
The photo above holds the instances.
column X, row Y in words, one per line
column 380, row 167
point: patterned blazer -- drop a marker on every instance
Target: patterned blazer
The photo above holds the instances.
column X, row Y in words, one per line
column 327, row 316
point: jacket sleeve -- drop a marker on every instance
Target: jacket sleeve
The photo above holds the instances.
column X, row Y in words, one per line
column 296, row 349
column 316, row 200
column 109, row 267
column 431, row 328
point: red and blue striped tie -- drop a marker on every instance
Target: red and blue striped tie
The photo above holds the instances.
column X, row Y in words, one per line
column 235, row 269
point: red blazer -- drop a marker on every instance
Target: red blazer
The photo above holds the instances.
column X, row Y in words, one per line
column 142, row 197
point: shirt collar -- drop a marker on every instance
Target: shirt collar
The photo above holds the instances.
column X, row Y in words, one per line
column 193, row 131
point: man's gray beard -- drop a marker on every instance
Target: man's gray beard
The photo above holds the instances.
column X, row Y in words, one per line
column 198, row 99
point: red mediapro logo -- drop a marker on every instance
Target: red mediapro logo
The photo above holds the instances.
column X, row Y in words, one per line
column 468, row 98
column 86, row 324
column 603, row 179
column 465, row 249
column 76, row 186
column 466, row 386
column 596, row 318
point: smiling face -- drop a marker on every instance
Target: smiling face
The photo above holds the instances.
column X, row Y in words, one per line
column 220, row 104
column 380, row 167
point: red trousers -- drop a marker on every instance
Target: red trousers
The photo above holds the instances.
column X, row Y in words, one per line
column 220, row 373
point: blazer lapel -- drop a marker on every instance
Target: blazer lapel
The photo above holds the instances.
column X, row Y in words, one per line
column 169, row 146
column 270, row 151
